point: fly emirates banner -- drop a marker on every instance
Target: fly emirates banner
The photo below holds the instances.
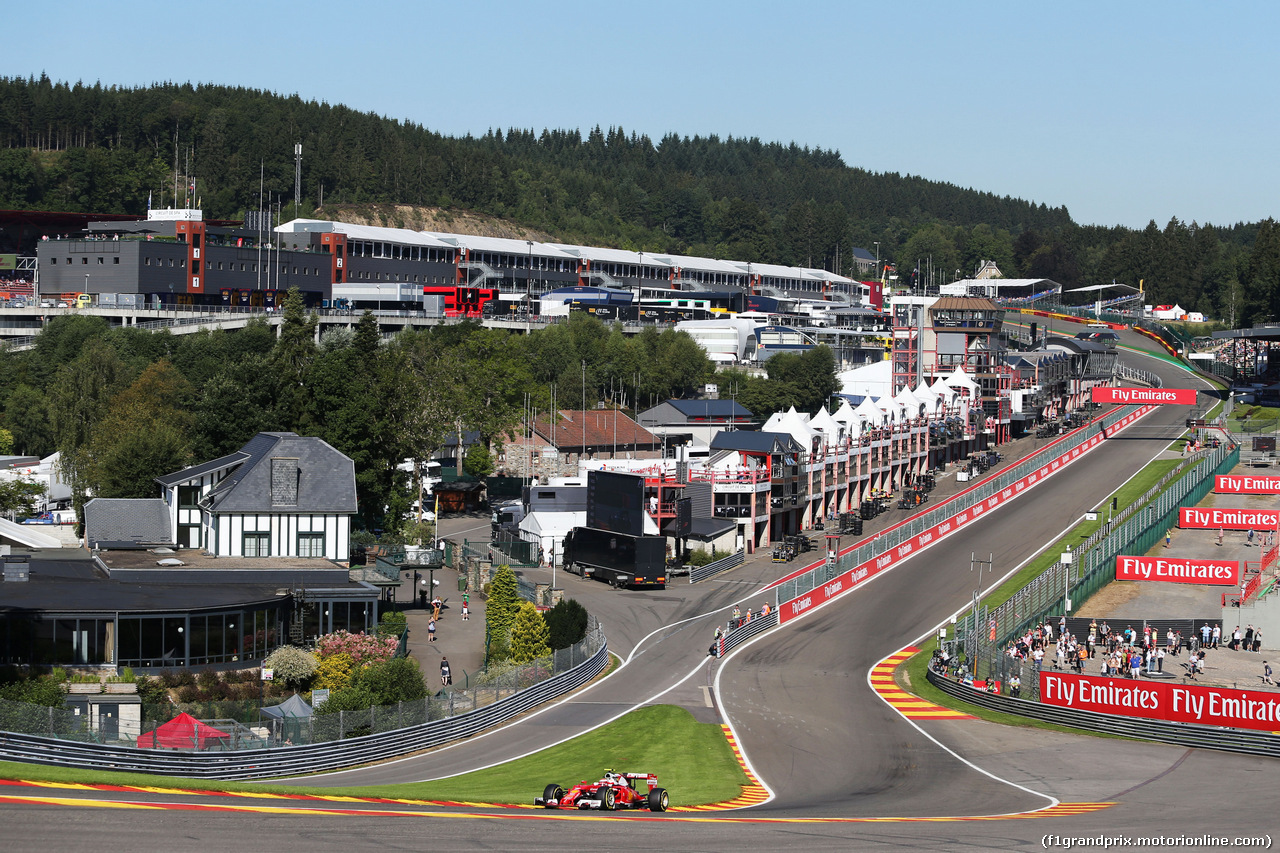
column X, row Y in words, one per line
column 1240, row 484
column 1158, row 700
column 1144, row 396
column 1217, row 572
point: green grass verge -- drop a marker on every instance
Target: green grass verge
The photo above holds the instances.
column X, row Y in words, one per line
column 692, row 760
column 911, row 675
column 1126, row 495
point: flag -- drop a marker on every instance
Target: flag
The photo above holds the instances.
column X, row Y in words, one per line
column 148, row 201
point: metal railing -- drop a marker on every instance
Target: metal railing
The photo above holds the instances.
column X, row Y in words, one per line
column 1161, row 731
column 890, row 539
column 701, row 573
column 52, row 737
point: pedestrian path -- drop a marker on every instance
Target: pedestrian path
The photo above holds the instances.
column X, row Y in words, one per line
column 911, row 707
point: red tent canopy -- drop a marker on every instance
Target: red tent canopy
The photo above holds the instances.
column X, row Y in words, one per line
column 182, row 732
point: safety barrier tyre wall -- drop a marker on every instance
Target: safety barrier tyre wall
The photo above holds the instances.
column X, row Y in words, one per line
column 298, row 760
column 1161, row 731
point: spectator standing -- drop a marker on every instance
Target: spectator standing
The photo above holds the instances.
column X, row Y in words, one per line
column 1038, row 657
column 1266, row 673
column 1219, row 537
column 1257, row 639
column 1159, row 660
column 431, row 630
column 1248, row 638
column 1217, row 635
column 1205, row 630
column 1249, row 536
column 1015, row 684
column 446, row 675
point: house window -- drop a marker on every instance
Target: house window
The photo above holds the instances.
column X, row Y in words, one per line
column 257, row 544
column 310, row 544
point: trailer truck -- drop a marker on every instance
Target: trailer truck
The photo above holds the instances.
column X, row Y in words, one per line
column 617, row 558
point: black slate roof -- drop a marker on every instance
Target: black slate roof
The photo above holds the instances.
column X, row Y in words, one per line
column 709, row 408
column 197, row 471
column 122, row 521
column 755, row 442
column 321, row 479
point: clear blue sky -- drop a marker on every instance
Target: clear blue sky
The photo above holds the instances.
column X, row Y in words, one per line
column 1123, row 111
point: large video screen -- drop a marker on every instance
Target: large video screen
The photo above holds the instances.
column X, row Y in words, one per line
column 615, row 502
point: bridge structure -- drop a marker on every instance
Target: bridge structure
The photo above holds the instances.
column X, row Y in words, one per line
column 20, row 326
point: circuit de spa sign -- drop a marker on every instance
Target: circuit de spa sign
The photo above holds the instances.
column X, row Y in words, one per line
column 1242, row 484
column 1214, row 572
column 1158, row 700
column 1200, row 518
column 1145, row 396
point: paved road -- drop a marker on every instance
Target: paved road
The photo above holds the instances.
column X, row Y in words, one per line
column 810, row 725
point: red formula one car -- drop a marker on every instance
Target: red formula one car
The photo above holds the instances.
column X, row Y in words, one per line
column 613, row 791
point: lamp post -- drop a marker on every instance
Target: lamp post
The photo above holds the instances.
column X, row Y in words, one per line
column 640, row 276
column 528, row 292
column 877, row 245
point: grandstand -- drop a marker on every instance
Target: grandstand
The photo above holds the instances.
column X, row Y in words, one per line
column 1006, row 291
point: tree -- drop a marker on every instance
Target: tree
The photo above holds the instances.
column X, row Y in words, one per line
column 144, row 436
column 292, row 355
column 26, row 414
column 19, row 498
column 478, row 462
column 529, row 635
column 566, row 623
column 501, row 606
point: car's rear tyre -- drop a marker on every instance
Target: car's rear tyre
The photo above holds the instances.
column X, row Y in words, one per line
column 658, row 800
column 552, row 792
column 608, row 799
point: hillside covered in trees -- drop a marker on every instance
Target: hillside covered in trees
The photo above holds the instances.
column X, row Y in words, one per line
column 103, row 149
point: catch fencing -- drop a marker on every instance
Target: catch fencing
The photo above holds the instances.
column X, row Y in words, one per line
column 1093, row 564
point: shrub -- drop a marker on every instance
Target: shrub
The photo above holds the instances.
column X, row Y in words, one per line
column 35, row 691
column 292, row 665
column 528, row 635
column 334, row 672
column 152, row 691
column 500, row 609
column 392, row 681
column 392, row 624
column 566, row 623
column 361, row 648
column 188, row 693
column 207, row 679
column 58, row 674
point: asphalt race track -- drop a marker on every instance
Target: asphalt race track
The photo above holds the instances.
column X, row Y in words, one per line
column 846, row 771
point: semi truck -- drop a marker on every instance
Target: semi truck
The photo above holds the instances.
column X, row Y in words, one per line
column 617, row 558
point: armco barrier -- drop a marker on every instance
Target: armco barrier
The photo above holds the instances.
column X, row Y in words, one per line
column 819, row 583
column 745, row 632
column 701, row 573
column 298, row 760
column 1161, row 731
